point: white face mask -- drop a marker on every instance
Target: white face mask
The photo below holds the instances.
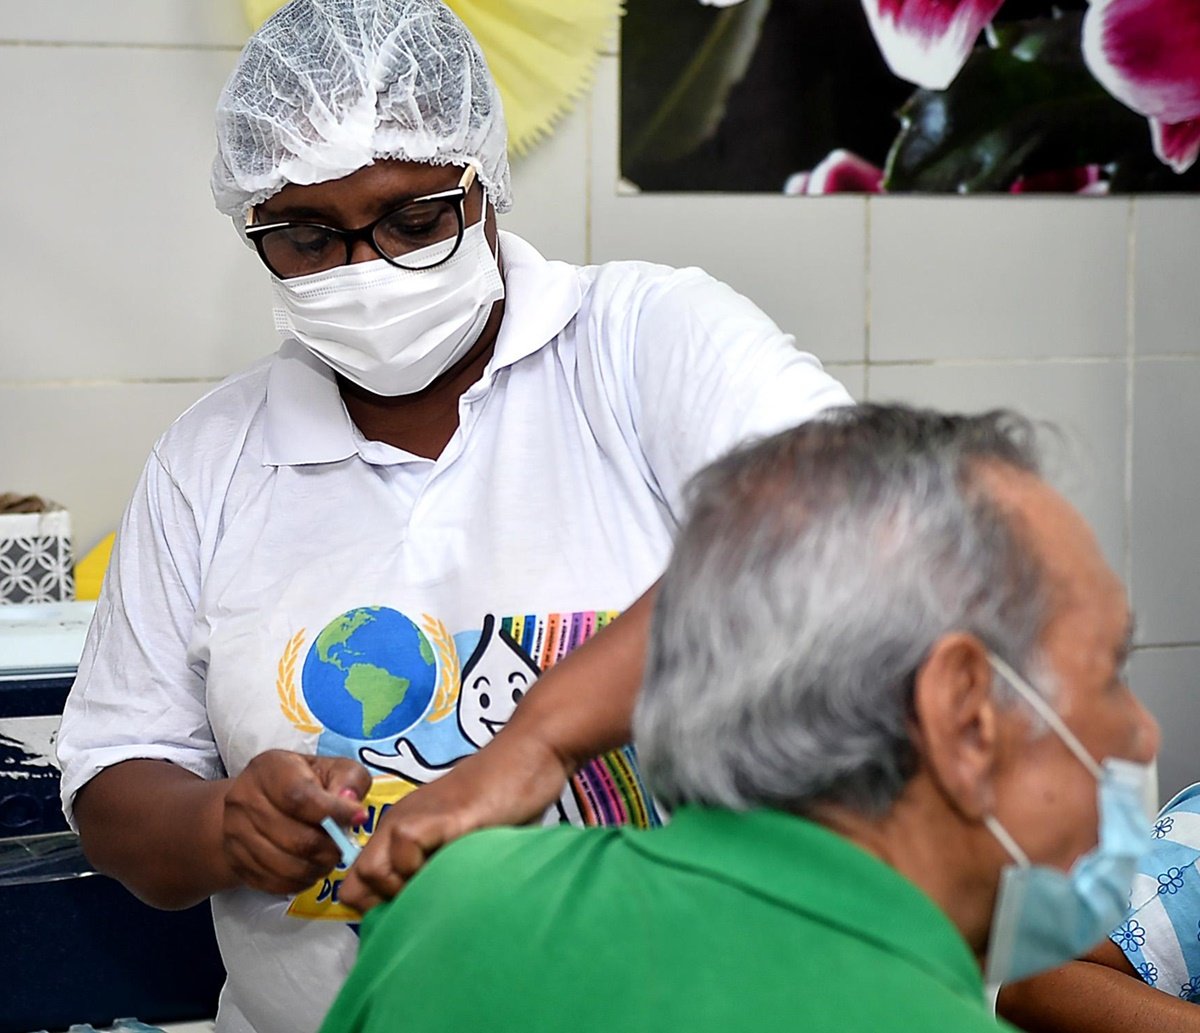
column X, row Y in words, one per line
column 393, row 331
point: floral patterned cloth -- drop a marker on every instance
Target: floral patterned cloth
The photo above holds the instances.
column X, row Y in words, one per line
column 1161, row 932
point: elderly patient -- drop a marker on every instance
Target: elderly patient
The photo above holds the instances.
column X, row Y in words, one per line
column 883, row 697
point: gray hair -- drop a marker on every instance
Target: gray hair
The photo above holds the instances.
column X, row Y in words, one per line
column 814, row 573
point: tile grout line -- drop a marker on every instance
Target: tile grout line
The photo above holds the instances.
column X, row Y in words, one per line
column 589, row 156
column 55, row 44
column 867, row 298
column 1000, row 360
column 105, row 382
column 1130, row 368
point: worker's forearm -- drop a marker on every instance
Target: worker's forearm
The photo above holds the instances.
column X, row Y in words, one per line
column 1086, row 997
column 156, row 828
column 583, row 706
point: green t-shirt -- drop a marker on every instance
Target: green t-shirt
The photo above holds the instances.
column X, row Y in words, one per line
column 718, row 922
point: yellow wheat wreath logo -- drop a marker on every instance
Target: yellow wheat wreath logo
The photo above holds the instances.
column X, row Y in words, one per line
column 285, row 685
column 445, row 695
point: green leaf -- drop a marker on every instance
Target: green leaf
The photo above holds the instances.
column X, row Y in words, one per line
column 693, row 100
column 1028, row 104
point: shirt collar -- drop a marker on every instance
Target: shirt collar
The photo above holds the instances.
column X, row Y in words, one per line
column 540, row 298
column 812, row 870
column 306, row 421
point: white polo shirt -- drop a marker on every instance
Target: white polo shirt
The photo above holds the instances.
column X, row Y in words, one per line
column 281, row 582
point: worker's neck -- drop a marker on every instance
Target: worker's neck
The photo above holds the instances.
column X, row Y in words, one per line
column 422, row 423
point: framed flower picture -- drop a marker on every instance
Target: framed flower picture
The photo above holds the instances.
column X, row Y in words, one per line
column 911, row 96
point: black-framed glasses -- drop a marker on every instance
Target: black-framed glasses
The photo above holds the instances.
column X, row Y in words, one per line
column 421, row 233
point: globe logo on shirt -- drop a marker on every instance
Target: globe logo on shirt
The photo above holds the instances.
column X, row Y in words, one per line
column 370, row 674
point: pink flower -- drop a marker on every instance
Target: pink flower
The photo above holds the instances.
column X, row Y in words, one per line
column 840, row 172
column 927, row 41
column 1082, row 180
column 1146, row 53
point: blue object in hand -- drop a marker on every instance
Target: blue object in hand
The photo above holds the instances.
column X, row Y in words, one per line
column 349, row 849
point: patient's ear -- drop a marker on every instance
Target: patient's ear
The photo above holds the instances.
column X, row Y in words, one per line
column 955, row 723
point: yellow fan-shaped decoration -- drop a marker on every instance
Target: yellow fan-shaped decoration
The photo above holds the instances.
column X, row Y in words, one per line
column 542, row 53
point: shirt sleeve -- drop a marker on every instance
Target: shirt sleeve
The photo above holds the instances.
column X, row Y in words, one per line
column 711, row 371
column 1161, row 932
column 137, row 695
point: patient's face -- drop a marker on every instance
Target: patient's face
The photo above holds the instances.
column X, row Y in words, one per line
column 1047, row 800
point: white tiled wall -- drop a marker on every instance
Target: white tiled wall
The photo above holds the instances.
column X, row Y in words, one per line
column 1168, row 680
column 997, row 278
column 125, row 270
column 1166, row 303
column 1165, row 492
column 125, row 295
column 84, row 444
column 139, row 22
column 804, row 264
column 1085, row 399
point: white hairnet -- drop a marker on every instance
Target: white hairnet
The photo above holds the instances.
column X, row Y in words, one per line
column 324, row 87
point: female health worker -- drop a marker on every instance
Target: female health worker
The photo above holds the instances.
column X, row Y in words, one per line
column 344, row 571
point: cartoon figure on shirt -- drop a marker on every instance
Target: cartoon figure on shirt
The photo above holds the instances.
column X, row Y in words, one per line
column 495, row 678
column 380, row 685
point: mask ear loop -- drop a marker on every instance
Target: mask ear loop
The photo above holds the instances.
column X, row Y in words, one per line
column 1006, row 841
column 1046, row 713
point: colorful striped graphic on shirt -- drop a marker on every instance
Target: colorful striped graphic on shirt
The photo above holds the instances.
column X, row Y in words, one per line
column 609, row 789
column 547, row 638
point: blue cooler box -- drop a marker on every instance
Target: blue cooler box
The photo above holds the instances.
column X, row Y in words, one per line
column 75, row 945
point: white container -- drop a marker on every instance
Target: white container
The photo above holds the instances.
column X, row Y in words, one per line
column 35, row 557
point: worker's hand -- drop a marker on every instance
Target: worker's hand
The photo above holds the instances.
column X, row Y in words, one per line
column 510, row 781
column 271, row 830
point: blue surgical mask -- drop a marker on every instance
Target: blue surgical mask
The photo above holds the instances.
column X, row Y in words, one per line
column 1045, row 917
